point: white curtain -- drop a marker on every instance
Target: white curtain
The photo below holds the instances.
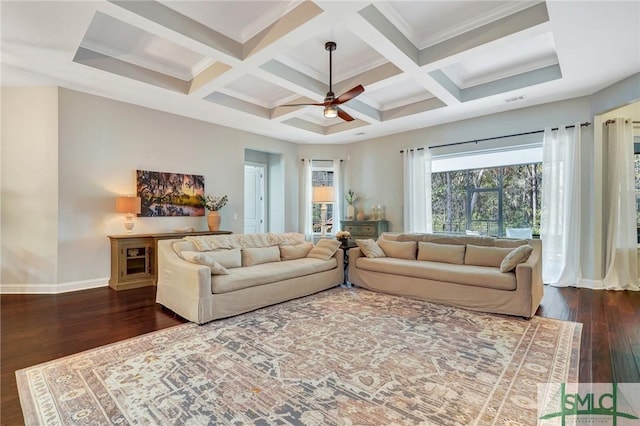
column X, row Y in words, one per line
column 561, row 210
column 305, row 198
column 415, row 191
column 621, row 262
column 428, row 162
column 337, row 184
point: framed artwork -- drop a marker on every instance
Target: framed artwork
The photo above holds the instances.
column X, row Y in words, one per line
column 169, row 194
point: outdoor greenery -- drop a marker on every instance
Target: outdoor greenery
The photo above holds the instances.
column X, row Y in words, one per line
column 487, row 200
column 322, row 177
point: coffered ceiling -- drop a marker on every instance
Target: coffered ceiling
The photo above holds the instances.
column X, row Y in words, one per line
column 235, row 63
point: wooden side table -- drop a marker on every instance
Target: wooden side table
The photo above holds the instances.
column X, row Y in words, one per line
column 346, row 246
column 134, row 257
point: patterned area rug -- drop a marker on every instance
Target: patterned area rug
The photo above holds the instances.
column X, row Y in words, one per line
column 343, row 357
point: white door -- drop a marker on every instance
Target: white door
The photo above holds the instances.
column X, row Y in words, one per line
column 254, row 202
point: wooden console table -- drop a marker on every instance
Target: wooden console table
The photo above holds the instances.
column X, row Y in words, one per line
column 134, row 257
column 363, row 229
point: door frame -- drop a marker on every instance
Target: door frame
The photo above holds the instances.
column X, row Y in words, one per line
column 265, row 192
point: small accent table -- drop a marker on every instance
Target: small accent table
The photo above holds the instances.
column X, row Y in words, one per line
column 346, row 246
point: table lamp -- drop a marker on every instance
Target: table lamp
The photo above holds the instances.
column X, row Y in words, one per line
column 129, row 206
column 323, row 195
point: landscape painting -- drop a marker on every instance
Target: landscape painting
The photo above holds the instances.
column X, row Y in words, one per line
column 170, row 194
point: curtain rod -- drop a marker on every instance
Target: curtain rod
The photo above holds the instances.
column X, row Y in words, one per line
column 315, row 159
column 497, row 137
column 626, row 121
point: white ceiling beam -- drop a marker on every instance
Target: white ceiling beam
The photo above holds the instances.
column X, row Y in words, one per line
column 507, row 26
column 274, row 48
column 372, row 27
column 170, row 25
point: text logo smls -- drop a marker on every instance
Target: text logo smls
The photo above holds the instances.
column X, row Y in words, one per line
column 574, row 404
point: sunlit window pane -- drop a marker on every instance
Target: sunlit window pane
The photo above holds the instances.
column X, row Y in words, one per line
column 322, row 177
column 487, row 201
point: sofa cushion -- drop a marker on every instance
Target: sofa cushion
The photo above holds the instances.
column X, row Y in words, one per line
column 297, row 251
column 258, row 255
column 202, row 259
column 287, row 239
column 446, row 253
column 485, row 256
column 397, row 249
column 213, row 242
column 516, row 256
column 227, row 258
column 510, row 243
column 182, row 245
column 324, row 249
column 370, row 248
column 471, row 275
column 266, row 273
column 449, row 239
column 229, row 241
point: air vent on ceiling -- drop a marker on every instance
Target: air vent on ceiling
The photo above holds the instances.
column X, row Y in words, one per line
column 514, row 99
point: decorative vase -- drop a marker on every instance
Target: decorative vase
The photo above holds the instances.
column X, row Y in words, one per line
column 360, row 216
column 213, row 220
column 351, row 212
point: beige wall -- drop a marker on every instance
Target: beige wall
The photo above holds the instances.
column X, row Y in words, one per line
column 88, row 148
column 29, row 186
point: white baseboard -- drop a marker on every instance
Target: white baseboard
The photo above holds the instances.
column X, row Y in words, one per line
column 53, row 288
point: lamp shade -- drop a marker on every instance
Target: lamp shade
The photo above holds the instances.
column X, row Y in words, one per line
column 330, row 111
column 128, row 205
column 324, row 194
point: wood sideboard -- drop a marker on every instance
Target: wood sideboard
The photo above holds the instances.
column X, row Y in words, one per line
column 364, row 229
column 134, row 257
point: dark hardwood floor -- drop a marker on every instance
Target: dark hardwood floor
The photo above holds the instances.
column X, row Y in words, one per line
column 39, row 328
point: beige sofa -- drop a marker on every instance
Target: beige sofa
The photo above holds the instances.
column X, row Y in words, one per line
column 209, row 277
column 456, row 270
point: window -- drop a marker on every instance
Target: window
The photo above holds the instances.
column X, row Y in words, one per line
column 487, row 200
column 322, row 176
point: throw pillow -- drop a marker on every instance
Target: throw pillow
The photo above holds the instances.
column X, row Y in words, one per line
column 445, row 253
column 226, row 258
column 485, row 256
column 203, row 259
column 287, row 239
column 519, row 255
column 370, row 248
column 399, row 250
column 213, row 242
column 297, row 251
column 200, row 243
column 324, row 249
column 258, row 255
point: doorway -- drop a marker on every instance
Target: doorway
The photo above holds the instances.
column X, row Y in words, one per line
column 254, row 198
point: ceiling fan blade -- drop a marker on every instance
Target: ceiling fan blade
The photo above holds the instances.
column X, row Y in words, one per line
column 292, row 105
column 347, row 96
column 343, row 114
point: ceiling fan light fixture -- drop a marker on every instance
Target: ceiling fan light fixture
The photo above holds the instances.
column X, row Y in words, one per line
column 330, row 111
column 331, row 103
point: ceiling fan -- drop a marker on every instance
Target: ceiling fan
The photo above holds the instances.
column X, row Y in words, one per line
column 330, row 104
